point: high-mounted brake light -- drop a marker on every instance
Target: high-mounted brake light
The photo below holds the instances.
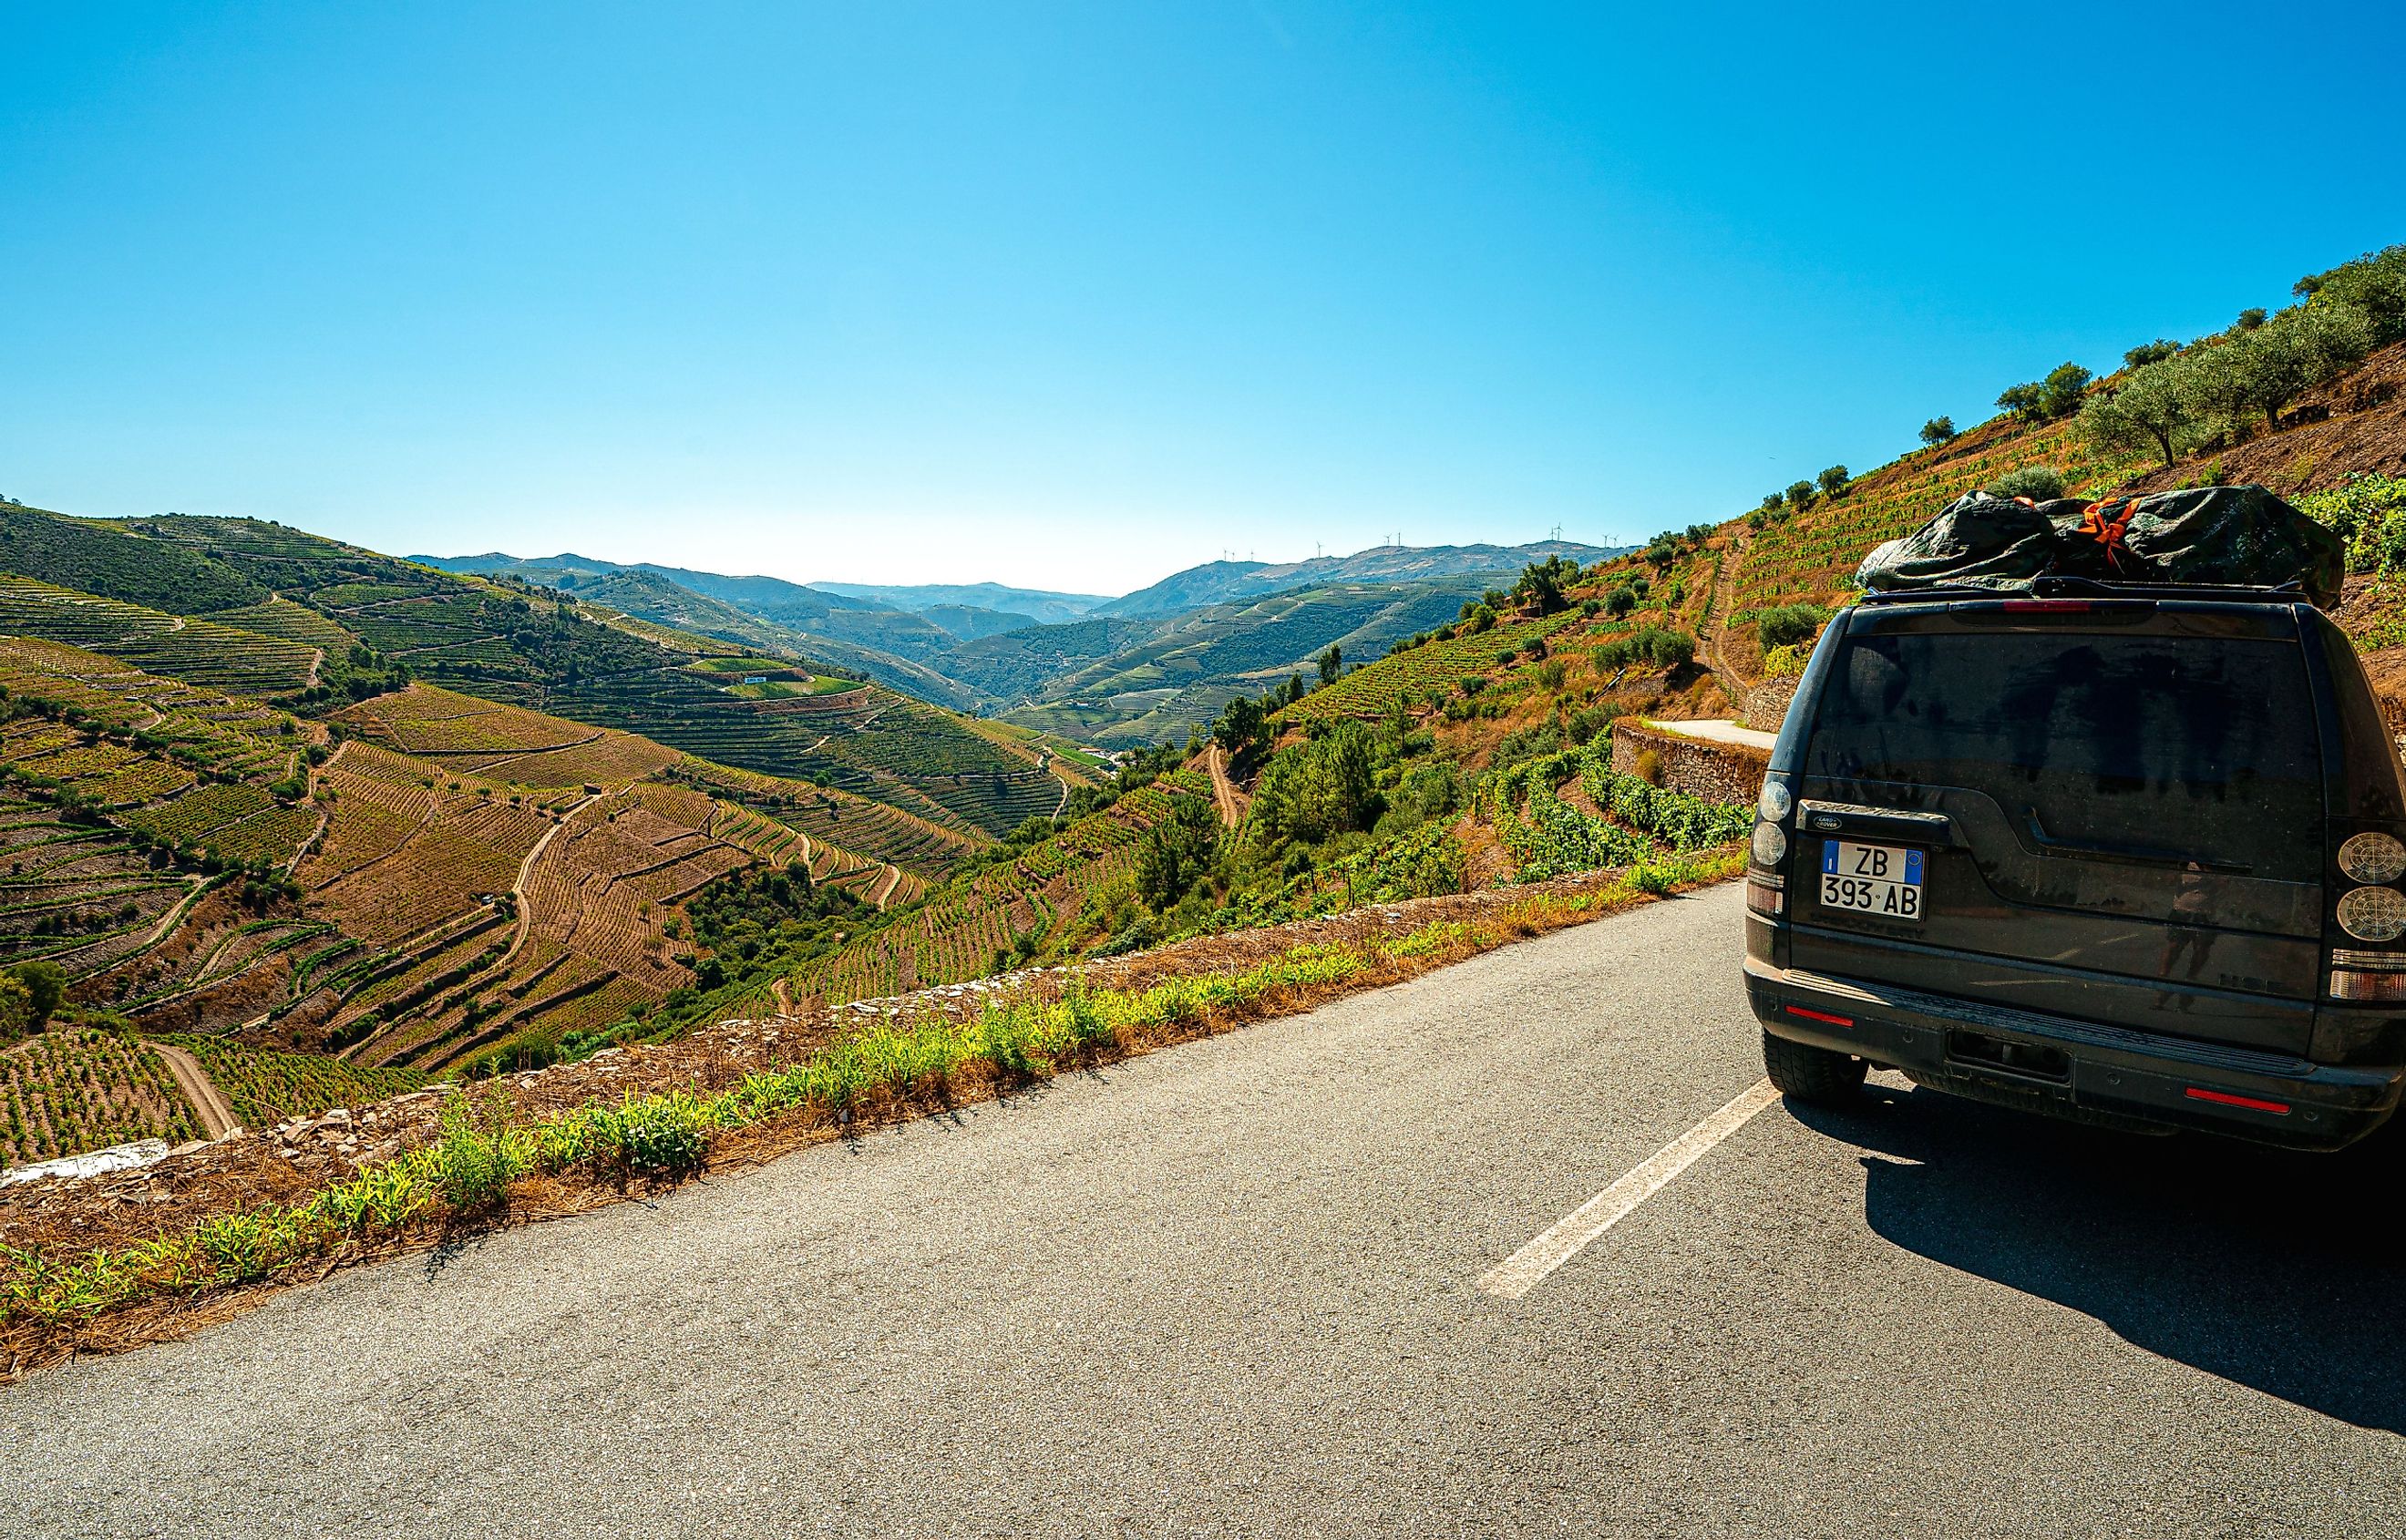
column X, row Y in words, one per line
column 2048, row 606
column 2224, row 1098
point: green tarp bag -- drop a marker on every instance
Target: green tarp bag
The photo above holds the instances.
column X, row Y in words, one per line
column 2210, row 536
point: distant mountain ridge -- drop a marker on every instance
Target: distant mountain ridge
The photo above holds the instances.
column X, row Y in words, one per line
column 1041, row 605
column 1221, row 582
column 1145, row 665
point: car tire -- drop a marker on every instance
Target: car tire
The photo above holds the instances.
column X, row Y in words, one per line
column 1809, row 1074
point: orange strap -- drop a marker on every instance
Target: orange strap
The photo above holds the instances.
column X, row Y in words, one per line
column 2107, row 523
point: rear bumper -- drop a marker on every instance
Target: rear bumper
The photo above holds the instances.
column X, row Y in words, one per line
column 2076, row 1069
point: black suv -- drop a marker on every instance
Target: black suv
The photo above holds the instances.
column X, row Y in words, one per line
column 2128, row 854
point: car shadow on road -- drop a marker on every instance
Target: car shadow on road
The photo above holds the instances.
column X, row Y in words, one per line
column 2278, row 1271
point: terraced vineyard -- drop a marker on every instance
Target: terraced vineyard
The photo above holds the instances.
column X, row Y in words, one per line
column 503, row 743
column 830, row 816
column 313, row 601
column 294, row 622
column 410, row 847
column 265, row 1087
column 1433, row 669
column 77, row 895
column 70, row 1090
column 200, row 652
column 237, row 824
column 585, row 943
column 956, row 934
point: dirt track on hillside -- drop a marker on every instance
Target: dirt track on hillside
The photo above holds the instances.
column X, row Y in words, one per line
column 215, row 1114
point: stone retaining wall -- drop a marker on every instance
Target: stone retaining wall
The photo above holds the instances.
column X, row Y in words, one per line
column 1766, row 704
column 1725, row 773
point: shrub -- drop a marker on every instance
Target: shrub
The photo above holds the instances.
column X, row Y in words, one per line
column 1583, row 727
column 1647, row 767
column 658, row 1135
column 1790, row 624
column 2038, row 483
column 2369, row 512
column 2150, row 352
column 1665, row 648
column 1938, row 430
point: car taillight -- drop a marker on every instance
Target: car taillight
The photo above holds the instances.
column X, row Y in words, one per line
column 2370, row 977
column 2367, row 988
column 2367, row 977
column 1764, row 898
column 2372, row 914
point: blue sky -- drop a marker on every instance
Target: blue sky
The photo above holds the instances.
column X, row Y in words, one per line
column 1072, row 296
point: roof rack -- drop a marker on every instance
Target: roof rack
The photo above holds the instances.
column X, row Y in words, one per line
column 2059, row 587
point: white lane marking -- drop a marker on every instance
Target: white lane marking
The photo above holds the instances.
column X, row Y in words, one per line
column 1525, row 1268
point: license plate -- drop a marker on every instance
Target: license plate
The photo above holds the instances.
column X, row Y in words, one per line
column 1882, row 879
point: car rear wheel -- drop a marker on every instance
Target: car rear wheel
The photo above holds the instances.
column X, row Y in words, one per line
column 1811, row 1074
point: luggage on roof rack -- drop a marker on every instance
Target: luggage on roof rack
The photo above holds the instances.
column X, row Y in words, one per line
column 2240, row 538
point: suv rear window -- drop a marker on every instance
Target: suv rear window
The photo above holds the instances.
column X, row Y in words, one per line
column 2194, row 746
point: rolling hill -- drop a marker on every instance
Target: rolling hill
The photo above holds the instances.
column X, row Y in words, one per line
column 862, row 637
column 1180, row 671
column 337, row 622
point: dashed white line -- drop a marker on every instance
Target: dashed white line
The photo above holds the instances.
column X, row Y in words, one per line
column 1525, row 1268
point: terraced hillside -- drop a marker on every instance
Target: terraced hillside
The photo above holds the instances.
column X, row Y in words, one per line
column 507, row 744
column 826, row 824
column 512, row 880
column 265, row 1087
column 864, row 639
column 548, row 921
column 322, row 623
column 1039, row 897
column 73, row 1090
column 200, row 652
column 147, row 822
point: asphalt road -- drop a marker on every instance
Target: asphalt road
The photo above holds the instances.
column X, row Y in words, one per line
column 1231, row 1289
